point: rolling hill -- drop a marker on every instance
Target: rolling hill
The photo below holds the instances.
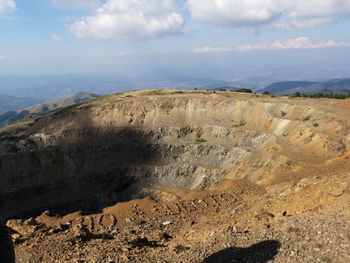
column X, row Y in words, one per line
column 10, row 103
column 40, row 109
column 341, row 86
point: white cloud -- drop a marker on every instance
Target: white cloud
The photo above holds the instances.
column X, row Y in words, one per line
column 208, row 49
column 77, row 4
column 285, row 14
column 234, row 12
column 293, row 43
column 7, row 6
column 301, row 23
column 2, row 57
column 125, row 19
column 55, row 37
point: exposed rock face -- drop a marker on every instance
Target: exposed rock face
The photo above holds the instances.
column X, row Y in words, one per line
column 118, row 148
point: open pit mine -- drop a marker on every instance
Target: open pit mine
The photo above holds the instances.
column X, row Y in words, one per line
column 180, row 176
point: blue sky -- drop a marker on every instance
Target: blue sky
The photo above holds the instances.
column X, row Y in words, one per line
column 186, row 36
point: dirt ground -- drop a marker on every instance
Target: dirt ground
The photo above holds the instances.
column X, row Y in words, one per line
column 305, row 221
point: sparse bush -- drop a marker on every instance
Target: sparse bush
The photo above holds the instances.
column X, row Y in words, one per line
column 318, row 245
column 200, row 140
column 293, row 229
column 244, row 90
column 323, row 95
column 316, row 124
column 307, row 118
column 242, row 123
column 238, row 123
column 326, row 259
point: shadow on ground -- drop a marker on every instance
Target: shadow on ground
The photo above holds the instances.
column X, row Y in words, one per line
column 87, row 168
column 7, row 253
column 258, row 253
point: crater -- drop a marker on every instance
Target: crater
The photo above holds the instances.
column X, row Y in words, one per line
column 128, row 146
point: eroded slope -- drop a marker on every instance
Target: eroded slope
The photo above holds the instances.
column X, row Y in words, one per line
column 125, row 146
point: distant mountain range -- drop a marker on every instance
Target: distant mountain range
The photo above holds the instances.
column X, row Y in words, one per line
column 40, row 109
column 9, row 103
column 341, row 86
column 14, row 108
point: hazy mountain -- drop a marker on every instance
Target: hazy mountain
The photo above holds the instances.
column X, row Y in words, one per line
column 40, row 109
column 10, row 103
column 341, row 86
column 48, row 87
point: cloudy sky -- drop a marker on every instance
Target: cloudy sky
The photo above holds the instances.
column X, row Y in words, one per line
column 203, row 36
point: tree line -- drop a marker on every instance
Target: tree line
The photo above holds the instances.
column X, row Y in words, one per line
column 322, row 95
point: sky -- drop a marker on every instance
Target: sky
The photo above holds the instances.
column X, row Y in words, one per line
column 222, row 38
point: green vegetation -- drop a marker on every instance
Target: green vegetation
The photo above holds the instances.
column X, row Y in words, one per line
column 326, row 259
column 244, row 90
column 318, row 245
column 292, row 229
column 200, row 140
column 323, row 95
column 239, row 123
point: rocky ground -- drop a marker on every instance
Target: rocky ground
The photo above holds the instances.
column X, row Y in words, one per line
column 237, row 222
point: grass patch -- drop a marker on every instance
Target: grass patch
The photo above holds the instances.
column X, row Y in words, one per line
column 326, row 259
column 200, row 140
column 239, row 123
column 318, row 245
column 293, row 229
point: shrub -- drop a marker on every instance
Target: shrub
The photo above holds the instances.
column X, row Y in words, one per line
column 244, row 90
column 323, row 95
column 200, row 140
column 292, row 229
